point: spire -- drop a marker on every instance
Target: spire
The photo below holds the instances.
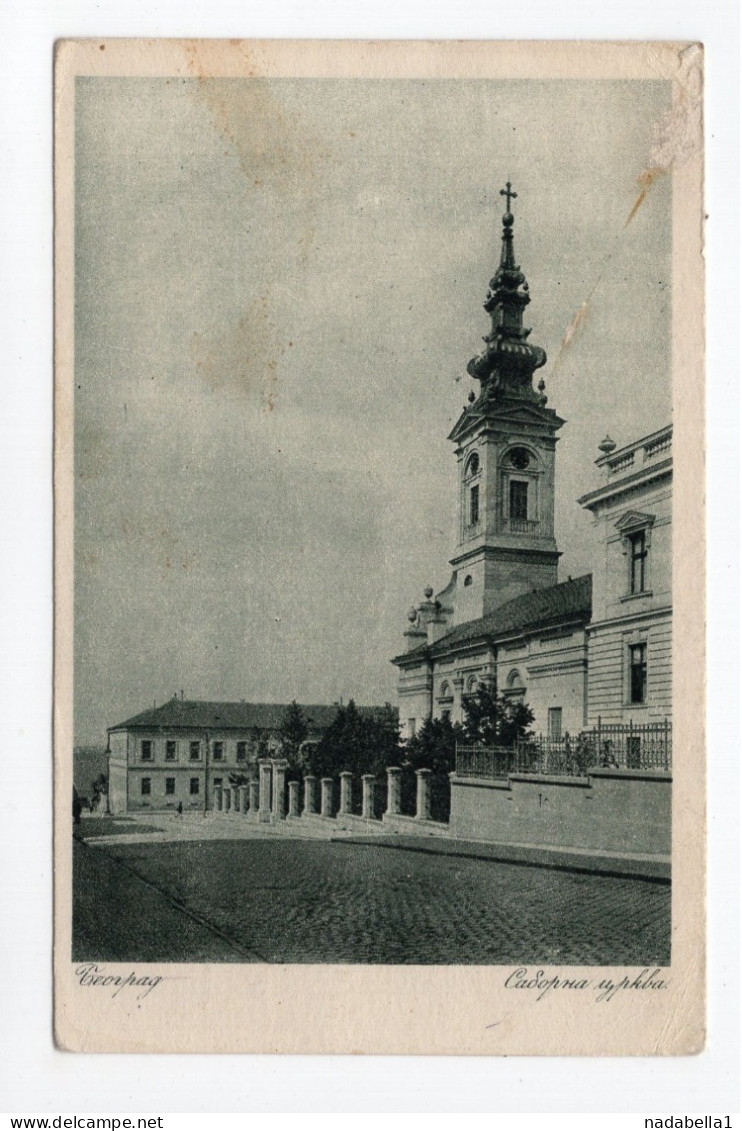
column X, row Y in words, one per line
column 506, row 365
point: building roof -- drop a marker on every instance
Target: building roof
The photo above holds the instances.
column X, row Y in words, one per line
column 201, row 714
column 541, row 609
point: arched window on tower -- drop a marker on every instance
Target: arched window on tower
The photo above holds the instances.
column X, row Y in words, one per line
column 472, row 466
column 520, row 496
column 472, row 469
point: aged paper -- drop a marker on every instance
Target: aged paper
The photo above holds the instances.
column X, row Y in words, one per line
column 270, row 264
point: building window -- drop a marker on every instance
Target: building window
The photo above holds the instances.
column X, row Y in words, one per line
column 146, row 750
column 194, row 788
column 195, row 751
column 218, row 783
column 241, row 751
column 518, row 499
column 638, row 673
column 555, row 722
column 411, row 727
column 446, row 715
column 514, row 684
column 146, row 787
column 218, row 751
column 468, row 580
column 520, row 458
column 638, row 561
column 169, row 786
column 472, row 466
column 170, row 751
column 474, row 505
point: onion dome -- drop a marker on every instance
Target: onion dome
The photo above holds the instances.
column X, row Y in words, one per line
column 508, row 361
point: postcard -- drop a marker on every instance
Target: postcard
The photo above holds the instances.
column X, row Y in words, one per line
column 379, row 547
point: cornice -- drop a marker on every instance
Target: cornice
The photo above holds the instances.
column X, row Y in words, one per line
column 631, row 618
column 629, row 483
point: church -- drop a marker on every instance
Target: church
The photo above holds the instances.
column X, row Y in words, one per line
column 593, row 651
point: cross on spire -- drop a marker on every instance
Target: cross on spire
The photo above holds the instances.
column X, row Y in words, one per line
column 507, row 192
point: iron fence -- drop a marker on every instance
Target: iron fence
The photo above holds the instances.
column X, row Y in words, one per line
column 484, row 761
column 628, row 746
column 633, row 746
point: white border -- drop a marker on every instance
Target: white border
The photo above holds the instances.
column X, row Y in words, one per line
column 36, row 1076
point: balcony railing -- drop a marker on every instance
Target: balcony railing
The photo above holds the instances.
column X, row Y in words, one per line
column 621, row 463
column 521, row 525
column 656, row 447
column 626, row 746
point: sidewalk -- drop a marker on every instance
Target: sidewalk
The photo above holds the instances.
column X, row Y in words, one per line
column 625, row 864
column 166, row 828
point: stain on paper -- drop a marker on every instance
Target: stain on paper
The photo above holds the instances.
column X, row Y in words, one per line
column 244, row 360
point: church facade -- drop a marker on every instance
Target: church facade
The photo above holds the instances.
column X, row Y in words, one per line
column 577, row 651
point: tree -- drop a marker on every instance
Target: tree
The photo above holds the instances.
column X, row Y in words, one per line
column 433, row 747
column 100, row 784
column 362, row 743
column 99, row 788
column 294, row 729
column 493, row 721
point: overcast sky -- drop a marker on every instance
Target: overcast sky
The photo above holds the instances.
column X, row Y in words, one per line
column 278, row 286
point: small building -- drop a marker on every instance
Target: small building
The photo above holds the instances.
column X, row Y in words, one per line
column 180, row 752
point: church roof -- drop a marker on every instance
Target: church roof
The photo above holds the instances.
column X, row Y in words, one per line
column 541, row 609
column 201, row 714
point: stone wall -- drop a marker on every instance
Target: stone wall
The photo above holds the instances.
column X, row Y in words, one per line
column 609, row 810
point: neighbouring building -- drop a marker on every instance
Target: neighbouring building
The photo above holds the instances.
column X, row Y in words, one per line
column 181, row 751
column 580, row 650
column 629, row 637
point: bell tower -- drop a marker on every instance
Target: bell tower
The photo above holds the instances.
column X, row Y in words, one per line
column 505, row 446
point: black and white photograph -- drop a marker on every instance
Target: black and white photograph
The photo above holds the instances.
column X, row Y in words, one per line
column 371, row 392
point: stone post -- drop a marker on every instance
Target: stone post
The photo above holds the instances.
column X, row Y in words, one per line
column 346, row 793
column 254, row 792
column 310, row 795
column 393, row 791
column 326, row 787
column 264, row 810
column 226, row 798
column 369, row 784
column 218, row 799
column 280, row 766
column 242, row 807
column 293, row 799
column 422, row 809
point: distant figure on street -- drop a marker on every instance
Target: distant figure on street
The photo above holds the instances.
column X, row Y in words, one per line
column 180, row 808
column 76, row 808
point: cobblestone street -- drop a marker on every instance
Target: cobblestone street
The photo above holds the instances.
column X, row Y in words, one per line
column 294, row 901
